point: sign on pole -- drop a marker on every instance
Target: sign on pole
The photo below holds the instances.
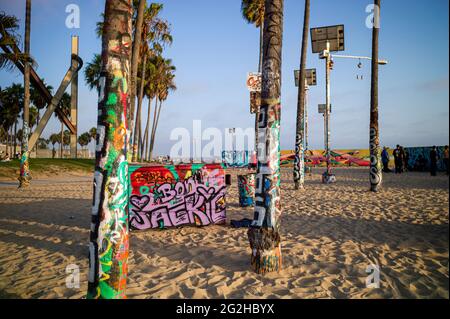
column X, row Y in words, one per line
column 254, row 82
column 323, row 108
column 311, row 77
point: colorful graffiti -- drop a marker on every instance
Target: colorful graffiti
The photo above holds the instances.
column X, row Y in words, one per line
column 246, row 186
column 338, row 158
column 419, row 158
column 109, row 246
column 376, row 176
column 238, row 159
column 299, row 161
column 174, row 196
column 264, row 233
column 24, row 177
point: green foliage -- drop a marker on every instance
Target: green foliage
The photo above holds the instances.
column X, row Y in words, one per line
column 253, row 11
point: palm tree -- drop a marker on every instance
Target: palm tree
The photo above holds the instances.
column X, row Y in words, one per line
column 375, row 152
column 109, row 234
column 54, row 138
column 135, row 57
column 93, row 134
column 253, row 13
column 38, row 100
column 299, row 162
column 164, row 86
column 264, row 233
column 10, row 38
column 64, row 104
column 92, row 73
column 155, row 36
column 12, row 105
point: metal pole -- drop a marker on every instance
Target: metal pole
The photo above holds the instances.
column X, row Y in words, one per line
column 327, row 111
column 74, row 100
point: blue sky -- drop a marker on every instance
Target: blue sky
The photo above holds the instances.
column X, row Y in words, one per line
column 214, row 49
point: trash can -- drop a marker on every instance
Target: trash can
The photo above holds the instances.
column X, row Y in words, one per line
column 246, row 186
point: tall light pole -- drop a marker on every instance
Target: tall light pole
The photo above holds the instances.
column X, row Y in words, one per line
column 324, row 41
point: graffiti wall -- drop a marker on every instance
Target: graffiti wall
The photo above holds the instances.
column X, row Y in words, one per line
column 238, row 159
column 246, row 186
column 174, row 196
column 420, row 156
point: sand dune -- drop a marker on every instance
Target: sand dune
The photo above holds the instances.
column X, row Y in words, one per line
column 330, row 233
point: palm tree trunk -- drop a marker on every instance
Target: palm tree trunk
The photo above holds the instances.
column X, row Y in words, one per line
column 61, row 145
column 299, row 162
column 135, row 61
column 154, row 130
column 15, row 139
column 263, row 235
column 149, row 150
column 109, row 246
column 146, row 133
column 137, row 131
column 375, row 161
column 24, row 178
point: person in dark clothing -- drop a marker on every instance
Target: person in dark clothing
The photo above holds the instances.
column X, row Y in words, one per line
column 385, row 160
column 402, row 159
column 398, row 160
column 446, row 159
column 433, row 161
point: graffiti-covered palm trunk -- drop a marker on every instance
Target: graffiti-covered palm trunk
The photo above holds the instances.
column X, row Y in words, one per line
column 109, row 229
column 299, row 161
column 375, row 152
column 264, row 233
column 24, row 178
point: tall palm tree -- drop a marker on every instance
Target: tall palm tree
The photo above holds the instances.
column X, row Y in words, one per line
column 375, row 152
column 253, row 13
column 109, row 234
column 155, row 36
column 165, row 85
column 299, row 162
column 264, row 233
column 54, row 138
column 12, row 105
column 24, row 177
column 38, row 100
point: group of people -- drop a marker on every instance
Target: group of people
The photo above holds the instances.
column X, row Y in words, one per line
column 401, row 160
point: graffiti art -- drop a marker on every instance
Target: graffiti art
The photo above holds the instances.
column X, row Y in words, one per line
column 174, row 196
column 246, row 186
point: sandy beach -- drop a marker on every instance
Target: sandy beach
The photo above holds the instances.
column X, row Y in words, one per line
column 330, row 235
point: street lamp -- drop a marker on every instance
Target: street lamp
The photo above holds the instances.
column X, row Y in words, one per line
column 324, row 41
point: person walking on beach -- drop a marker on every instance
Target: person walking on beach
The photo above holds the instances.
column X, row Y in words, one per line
column 402, row 159
column 433, row 161
column 385, row 160
column 398, row 160
column 446, row 160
